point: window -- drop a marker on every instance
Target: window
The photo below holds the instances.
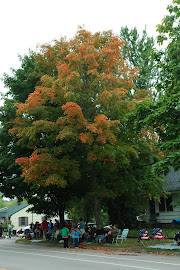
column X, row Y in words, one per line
column 23, row 221
column 165, row 204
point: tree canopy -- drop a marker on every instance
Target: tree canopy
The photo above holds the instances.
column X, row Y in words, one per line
column 164, row 112
column 75, row 123
column 138, row 51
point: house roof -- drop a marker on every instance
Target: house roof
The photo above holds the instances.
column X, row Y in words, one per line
column 173, row 180
column 12, row 210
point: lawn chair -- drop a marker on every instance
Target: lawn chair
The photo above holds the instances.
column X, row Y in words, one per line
column 143, row 236
column 114, row 240
column 158, row 235
column 123, row 236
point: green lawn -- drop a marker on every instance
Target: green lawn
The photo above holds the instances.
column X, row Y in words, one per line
column 169, row 231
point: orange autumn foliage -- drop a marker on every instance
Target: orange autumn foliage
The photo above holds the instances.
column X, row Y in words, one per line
column 78, row 102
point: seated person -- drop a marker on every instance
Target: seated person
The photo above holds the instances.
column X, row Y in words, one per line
column 50, row 233
column 177, row 238
column 99, row 234
column 109, row 236
column 90, row 236
column 58, row 235
column 115, row 231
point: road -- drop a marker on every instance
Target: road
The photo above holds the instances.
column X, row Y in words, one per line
column 32, row 257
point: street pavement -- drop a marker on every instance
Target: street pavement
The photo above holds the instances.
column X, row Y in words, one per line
column 37, row 257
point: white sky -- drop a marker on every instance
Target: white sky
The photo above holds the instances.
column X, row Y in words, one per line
column 24, row 23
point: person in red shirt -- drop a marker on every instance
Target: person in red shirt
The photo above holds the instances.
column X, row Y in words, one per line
column 44, row 226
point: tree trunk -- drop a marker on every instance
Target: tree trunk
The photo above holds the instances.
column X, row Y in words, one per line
column 97, row 212
column 97, row 208
column 61, row 214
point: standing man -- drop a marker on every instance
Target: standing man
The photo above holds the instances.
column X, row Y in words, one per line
column 9, row 230
column 44, row 226
column 1, row 230
column 82, row 228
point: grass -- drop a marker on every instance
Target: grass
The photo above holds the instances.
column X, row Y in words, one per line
column 169, row 231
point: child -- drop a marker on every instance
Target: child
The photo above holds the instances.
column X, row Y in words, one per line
column 65, row 232
column 76, row 232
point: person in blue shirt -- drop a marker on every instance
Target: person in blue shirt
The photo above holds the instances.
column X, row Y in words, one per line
column 82, row 224
column 82, row 229
column 76, row 233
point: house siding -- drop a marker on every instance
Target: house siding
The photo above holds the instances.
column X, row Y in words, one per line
column 166, row 217
column 30, row 217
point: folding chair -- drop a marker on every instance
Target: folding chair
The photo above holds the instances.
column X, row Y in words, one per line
column 158, row 235
column 123, row 236
column 114, row 240
column 143, row 236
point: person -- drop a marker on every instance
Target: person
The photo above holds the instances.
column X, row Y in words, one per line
column 58, row 235
column 76, row 233
column 109, row 236
column 74, row 224
column 44, row 226
column 9, row 230
column 82, row 230
column 50, row 225
column 115, row 231
column 57, row 223
column 177, row 238
column 1, row 231
column 51, row 233
column 38, row 233
column 90, row 237
column 99, row 234
column 65, row 232
column 82, row 224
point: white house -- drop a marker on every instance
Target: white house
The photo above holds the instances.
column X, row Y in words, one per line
column 19, row 217
column 165, row 212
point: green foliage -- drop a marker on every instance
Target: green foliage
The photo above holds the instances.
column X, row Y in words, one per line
column 81, row 208
column 2, row 203
column 24, row 79
column 139, row 52
column 167, row 107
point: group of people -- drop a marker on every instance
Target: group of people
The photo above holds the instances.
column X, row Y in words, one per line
column 102, row 235
column 61, row 232
column 77, row 233
column 92, row 234
column 9, row 230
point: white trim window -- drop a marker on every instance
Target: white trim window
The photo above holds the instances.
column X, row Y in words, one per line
column 23, row 221
column 165, row 204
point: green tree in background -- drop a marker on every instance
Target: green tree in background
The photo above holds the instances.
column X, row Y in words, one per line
column 164, row 112
column 19, row 84
column 166, row 117
column 139, row 52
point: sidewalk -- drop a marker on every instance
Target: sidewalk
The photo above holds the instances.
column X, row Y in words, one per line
column 165, row 246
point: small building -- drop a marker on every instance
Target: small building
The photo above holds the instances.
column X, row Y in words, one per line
column 166, row 210
column 18, row 216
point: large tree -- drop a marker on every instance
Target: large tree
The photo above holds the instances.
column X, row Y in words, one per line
column 164, row 112
column 75, row 122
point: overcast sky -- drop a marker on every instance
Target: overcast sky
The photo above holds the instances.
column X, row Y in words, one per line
column 25, row 24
